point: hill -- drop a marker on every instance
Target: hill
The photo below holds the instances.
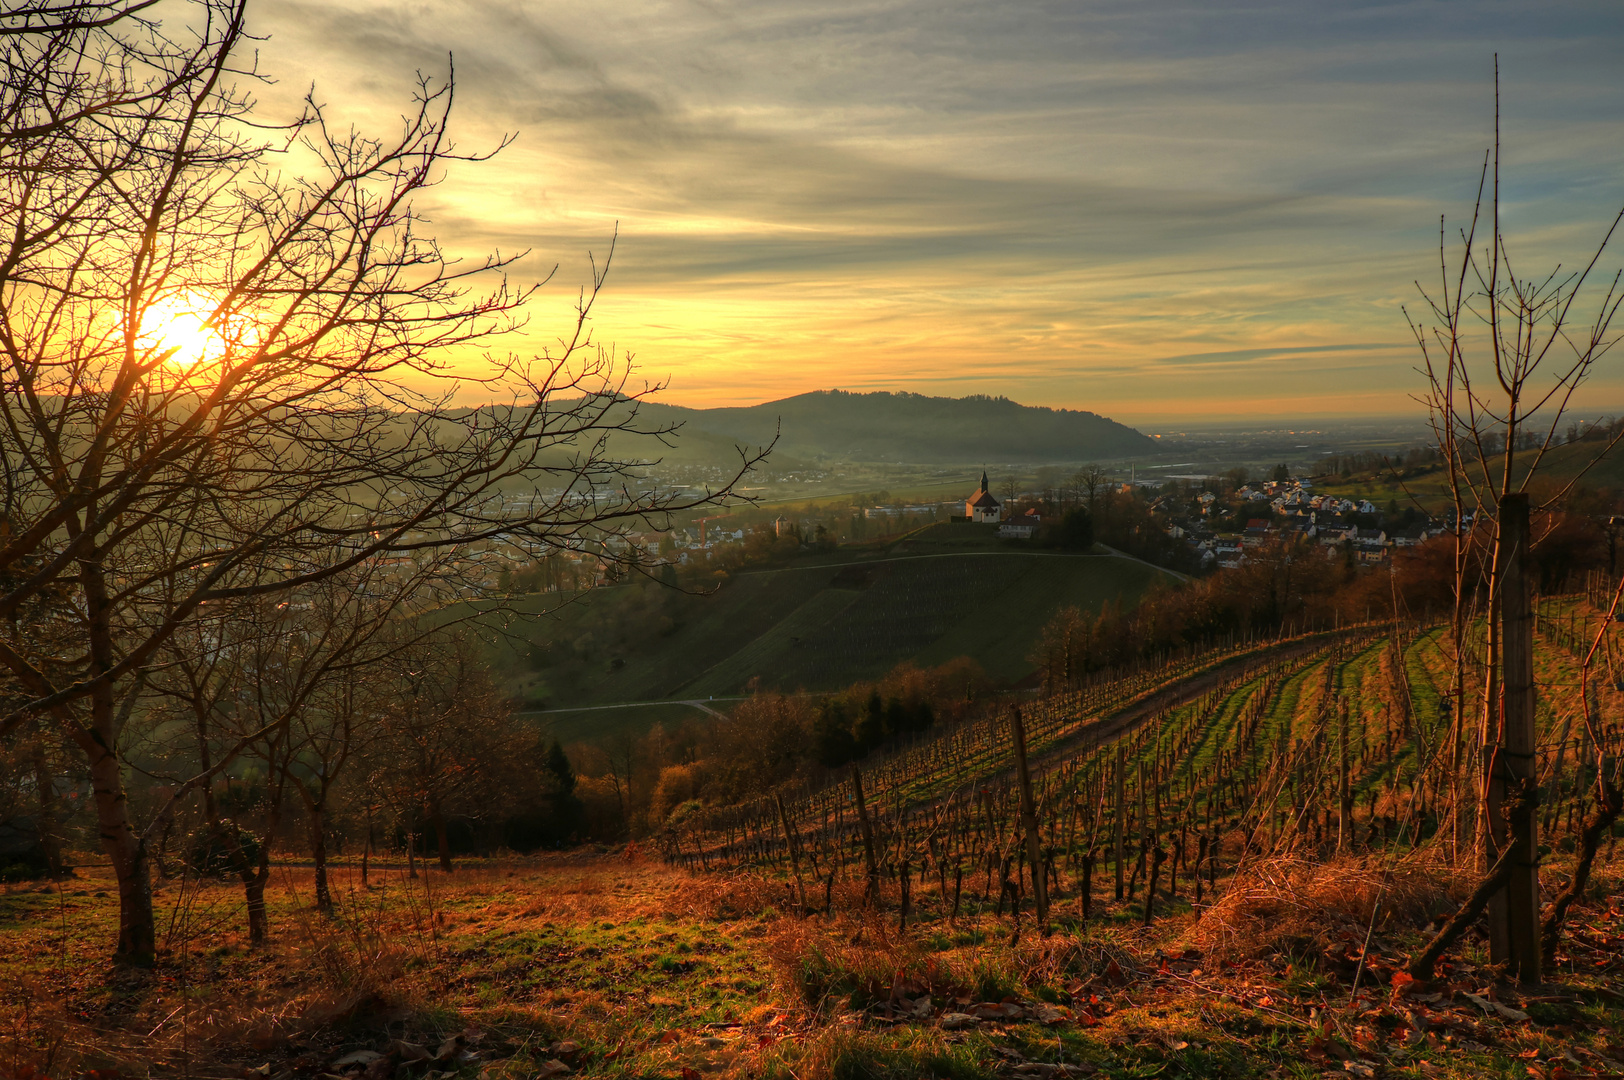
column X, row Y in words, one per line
column 816, row 624
column 1583, row 464
column 893, row 427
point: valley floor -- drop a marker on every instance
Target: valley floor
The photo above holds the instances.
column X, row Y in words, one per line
column 613, row 965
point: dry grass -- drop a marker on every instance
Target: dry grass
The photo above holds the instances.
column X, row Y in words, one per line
column 1277, row 906
column 654, row 972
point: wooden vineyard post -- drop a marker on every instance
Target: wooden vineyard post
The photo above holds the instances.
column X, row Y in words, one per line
column 1512, row 784
column 1085, row 896
column 1344, row 838
column 794, row 855
column 1117, row 852
column 1157, row 855
column 872, row 891
column 1029, row 822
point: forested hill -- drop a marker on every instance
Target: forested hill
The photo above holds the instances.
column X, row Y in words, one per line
column 882, row 426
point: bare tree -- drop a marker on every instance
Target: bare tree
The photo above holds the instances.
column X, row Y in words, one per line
column 1504, row 354
column 288, row 681
column 1089, row 482
column 1062, row 650
column 447, row 742
column 224, row 375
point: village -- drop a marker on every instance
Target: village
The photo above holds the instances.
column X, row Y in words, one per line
column 1213, row 523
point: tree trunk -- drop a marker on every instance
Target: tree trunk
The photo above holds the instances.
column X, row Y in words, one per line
column 318, row 855
column 254, row 890
column 1514, row 935
column 443, row 841
column 137, row 931
column 45, row 785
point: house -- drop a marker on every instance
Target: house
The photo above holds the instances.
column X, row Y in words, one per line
column 1410, row 537
column 982, row 506
column 1017, row 529
column 1371, row 544
column 1257, row 530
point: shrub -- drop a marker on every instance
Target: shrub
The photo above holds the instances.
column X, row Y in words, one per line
column 209, row 851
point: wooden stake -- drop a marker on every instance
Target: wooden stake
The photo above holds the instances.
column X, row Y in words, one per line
column 872, row 892
column 1029, row 822
column 1514, row 915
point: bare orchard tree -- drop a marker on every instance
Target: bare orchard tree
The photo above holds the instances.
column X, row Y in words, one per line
column 336, row 728
column 289, row 682
column 449, row 745
column 1088, row 482
column 1062, row 649
column 226, row 372
column 1504, row 354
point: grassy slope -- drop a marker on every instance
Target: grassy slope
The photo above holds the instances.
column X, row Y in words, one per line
column 1431, row 488
column 816, row 625
column 649, row 972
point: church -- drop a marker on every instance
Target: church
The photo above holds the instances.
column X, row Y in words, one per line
column 982, row 506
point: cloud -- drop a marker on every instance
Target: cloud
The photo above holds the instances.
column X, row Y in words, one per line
column 1075, row 201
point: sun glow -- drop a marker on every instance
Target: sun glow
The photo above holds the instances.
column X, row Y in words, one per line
column 174, row 326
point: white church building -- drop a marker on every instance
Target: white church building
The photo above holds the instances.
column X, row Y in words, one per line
column 982, row 506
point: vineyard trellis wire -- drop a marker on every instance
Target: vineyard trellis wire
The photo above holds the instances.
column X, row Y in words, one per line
column 1153, row 784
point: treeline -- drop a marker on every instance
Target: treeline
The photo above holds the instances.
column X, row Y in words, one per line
column 1300, row 587
column 1122, row 519
column 1415, row 460
column 634, row 785
column 404, row 747
column 1418, row 459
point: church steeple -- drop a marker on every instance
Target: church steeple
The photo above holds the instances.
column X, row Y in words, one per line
column 982, row 506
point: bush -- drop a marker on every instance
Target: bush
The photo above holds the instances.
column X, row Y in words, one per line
column 209, row 851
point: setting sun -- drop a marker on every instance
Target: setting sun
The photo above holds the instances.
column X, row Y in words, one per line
column 174, row 326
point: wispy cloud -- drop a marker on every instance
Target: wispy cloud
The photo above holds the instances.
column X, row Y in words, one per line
column 1141, row 208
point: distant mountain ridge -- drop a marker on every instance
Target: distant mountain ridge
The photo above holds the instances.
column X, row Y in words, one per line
column 882, row 426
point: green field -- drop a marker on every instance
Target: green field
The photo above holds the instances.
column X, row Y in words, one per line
column 820, row 624
column 1429, row 488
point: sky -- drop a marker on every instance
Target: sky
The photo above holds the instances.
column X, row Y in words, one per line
column 1156, row 211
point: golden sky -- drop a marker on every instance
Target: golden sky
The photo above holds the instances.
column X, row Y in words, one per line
column 1152, row 210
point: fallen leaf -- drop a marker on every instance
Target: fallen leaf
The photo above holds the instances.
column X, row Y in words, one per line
column 354, row 1057
column 1494, row 1007
column 1050, row 1014
column 409, row 1051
